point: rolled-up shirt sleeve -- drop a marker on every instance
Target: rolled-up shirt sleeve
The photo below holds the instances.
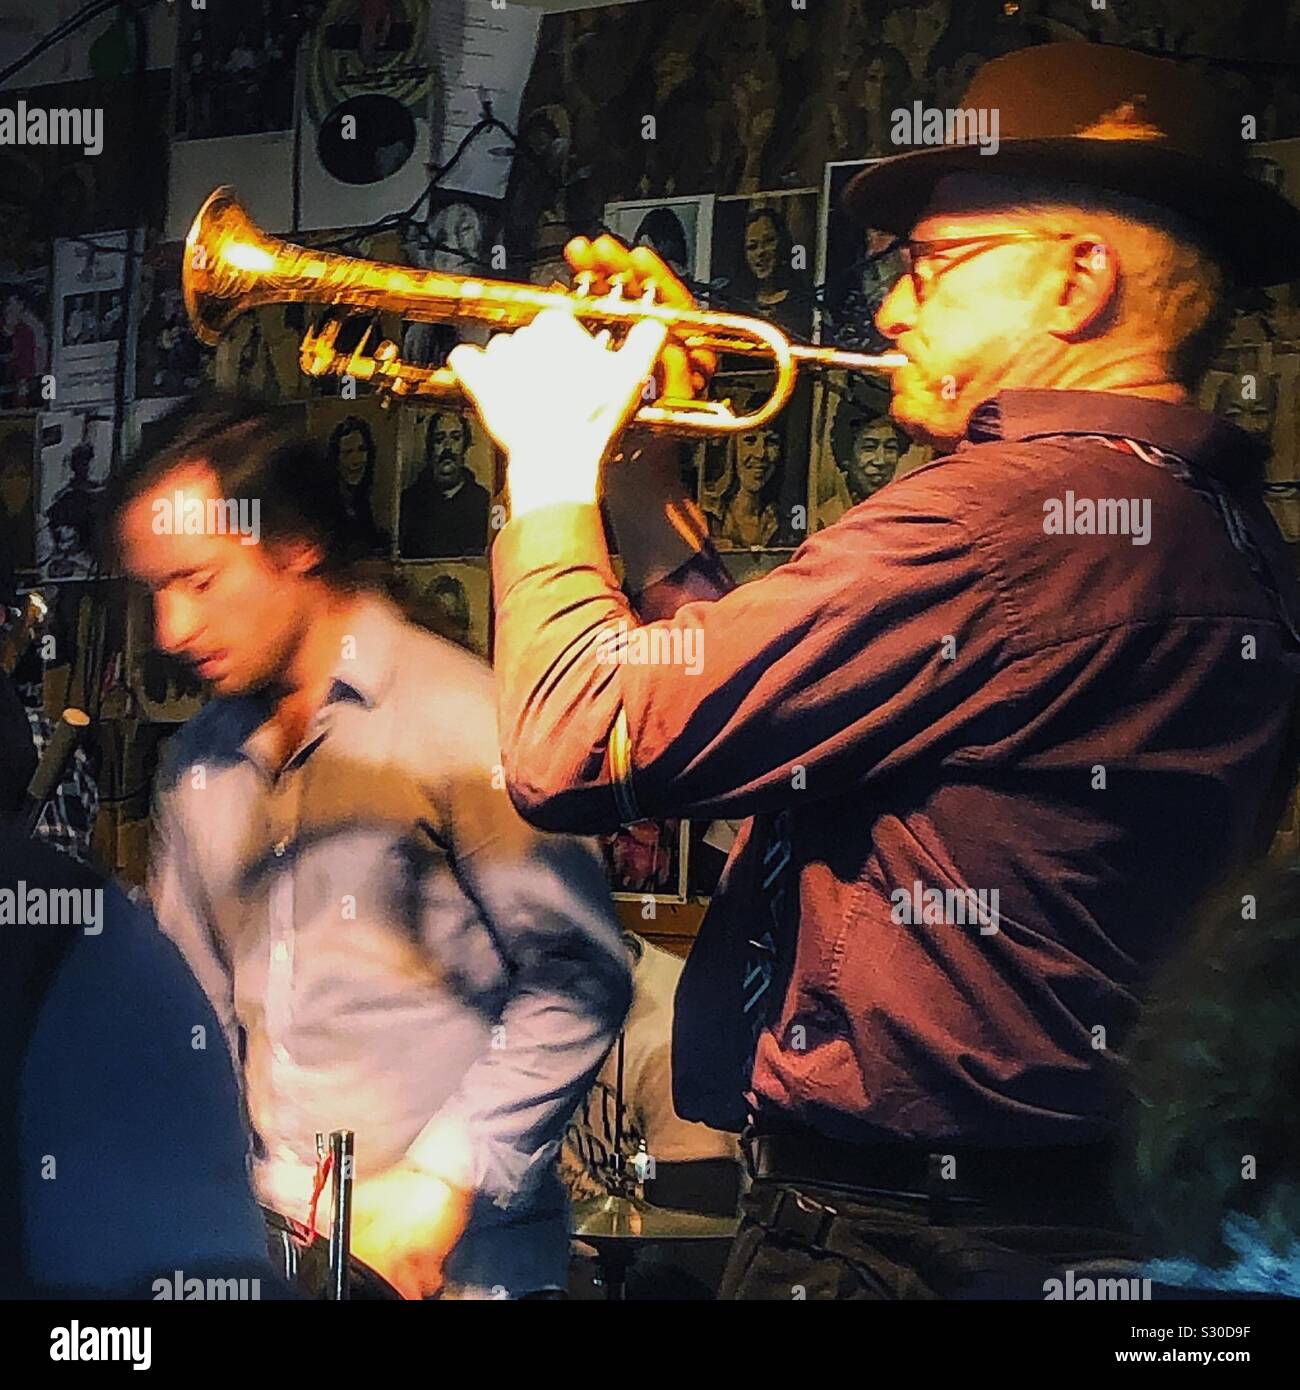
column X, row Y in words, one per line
column 545, row 902
column 873, row 642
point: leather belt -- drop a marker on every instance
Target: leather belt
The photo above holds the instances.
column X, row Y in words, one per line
column 1059, row 1176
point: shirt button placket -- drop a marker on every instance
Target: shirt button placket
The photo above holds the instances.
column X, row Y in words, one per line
column 279, row 1009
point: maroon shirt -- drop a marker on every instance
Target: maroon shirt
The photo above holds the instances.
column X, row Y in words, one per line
column 939, row 690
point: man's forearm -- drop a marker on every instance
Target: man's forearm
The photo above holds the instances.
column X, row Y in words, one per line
column 663, row 540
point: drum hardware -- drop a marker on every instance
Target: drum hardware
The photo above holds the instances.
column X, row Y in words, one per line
column 341, row 1148
column 618, row 1223
column 320, row 1268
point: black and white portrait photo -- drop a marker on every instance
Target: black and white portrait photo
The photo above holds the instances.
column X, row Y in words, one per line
column 360, row 441
column 764, row 253
column 753, row 483
column 447, row 474
column 678, row 229
column 858, row 268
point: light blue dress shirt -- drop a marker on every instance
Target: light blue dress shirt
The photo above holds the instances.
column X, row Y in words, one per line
column 403, row 955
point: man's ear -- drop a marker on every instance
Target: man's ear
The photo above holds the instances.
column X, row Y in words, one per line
column 296, row 555
column 1090, row 291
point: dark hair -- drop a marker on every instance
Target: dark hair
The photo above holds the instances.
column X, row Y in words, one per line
column 851, row 419
column 746, row 283
column 257, row 452
column 465, row 435
column 664, row 228
column 1215, row 1067
column 354, row 424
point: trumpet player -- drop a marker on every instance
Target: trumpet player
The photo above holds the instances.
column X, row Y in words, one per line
column 994, row 731
column 388, row 946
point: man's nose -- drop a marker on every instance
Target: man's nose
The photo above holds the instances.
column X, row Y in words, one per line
column 176, row 623
column 897, row 312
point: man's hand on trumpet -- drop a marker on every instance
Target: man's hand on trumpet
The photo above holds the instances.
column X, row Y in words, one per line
column 554, row 396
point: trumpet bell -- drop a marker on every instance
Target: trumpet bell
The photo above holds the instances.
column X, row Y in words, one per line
column 225, row 262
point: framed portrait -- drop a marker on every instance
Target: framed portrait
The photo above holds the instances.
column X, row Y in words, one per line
column 76, row 451
column 679, row 230
column 17, row 493
column 647, row 859
column 855, row 267
column 764, row 259
column 360, row 441
column 753, row 485
column 856, row 447
column 451, row 599
column 448, row 478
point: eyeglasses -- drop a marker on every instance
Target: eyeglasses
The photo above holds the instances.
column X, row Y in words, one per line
column 916, row 253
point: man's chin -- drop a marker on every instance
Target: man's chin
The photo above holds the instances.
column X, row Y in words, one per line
column 926, row 418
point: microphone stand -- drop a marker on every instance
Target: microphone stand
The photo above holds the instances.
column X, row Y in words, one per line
column 52, row 767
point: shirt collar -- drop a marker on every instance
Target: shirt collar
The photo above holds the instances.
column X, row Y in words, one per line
column 1204, row 440
column 361, row 675
column 365, row 669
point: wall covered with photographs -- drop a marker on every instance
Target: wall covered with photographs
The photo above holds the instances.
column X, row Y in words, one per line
column 720, row 134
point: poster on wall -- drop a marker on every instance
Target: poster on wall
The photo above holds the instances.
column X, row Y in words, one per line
column 76, row 451
column 169, row 360
column 360, row 442
column 678, row 230
column 764, row 250
column 259, row 355
column 457, row 236
column 234, row 70
column 856, row 267
column 753, row 484
column 647, row 859
column 448, row 472
column 451, row 599
column 24, row 338
column 367, row 92
column 856, row 447
column 89, row 316
column 480, row 53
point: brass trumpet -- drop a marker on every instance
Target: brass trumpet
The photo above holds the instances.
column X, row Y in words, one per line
column 231, row 266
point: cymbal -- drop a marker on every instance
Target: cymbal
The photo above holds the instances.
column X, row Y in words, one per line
column 631, row 1218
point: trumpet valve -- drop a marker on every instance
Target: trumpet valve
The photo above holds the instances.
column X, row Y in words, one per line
column 316, row 355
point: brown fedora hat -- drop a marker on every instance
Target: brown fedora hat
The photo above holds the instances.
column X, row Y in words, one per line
column 1110, row 119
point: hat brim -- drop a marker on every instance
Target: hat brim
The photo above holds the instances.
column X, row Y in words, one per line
column 1252, row 227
